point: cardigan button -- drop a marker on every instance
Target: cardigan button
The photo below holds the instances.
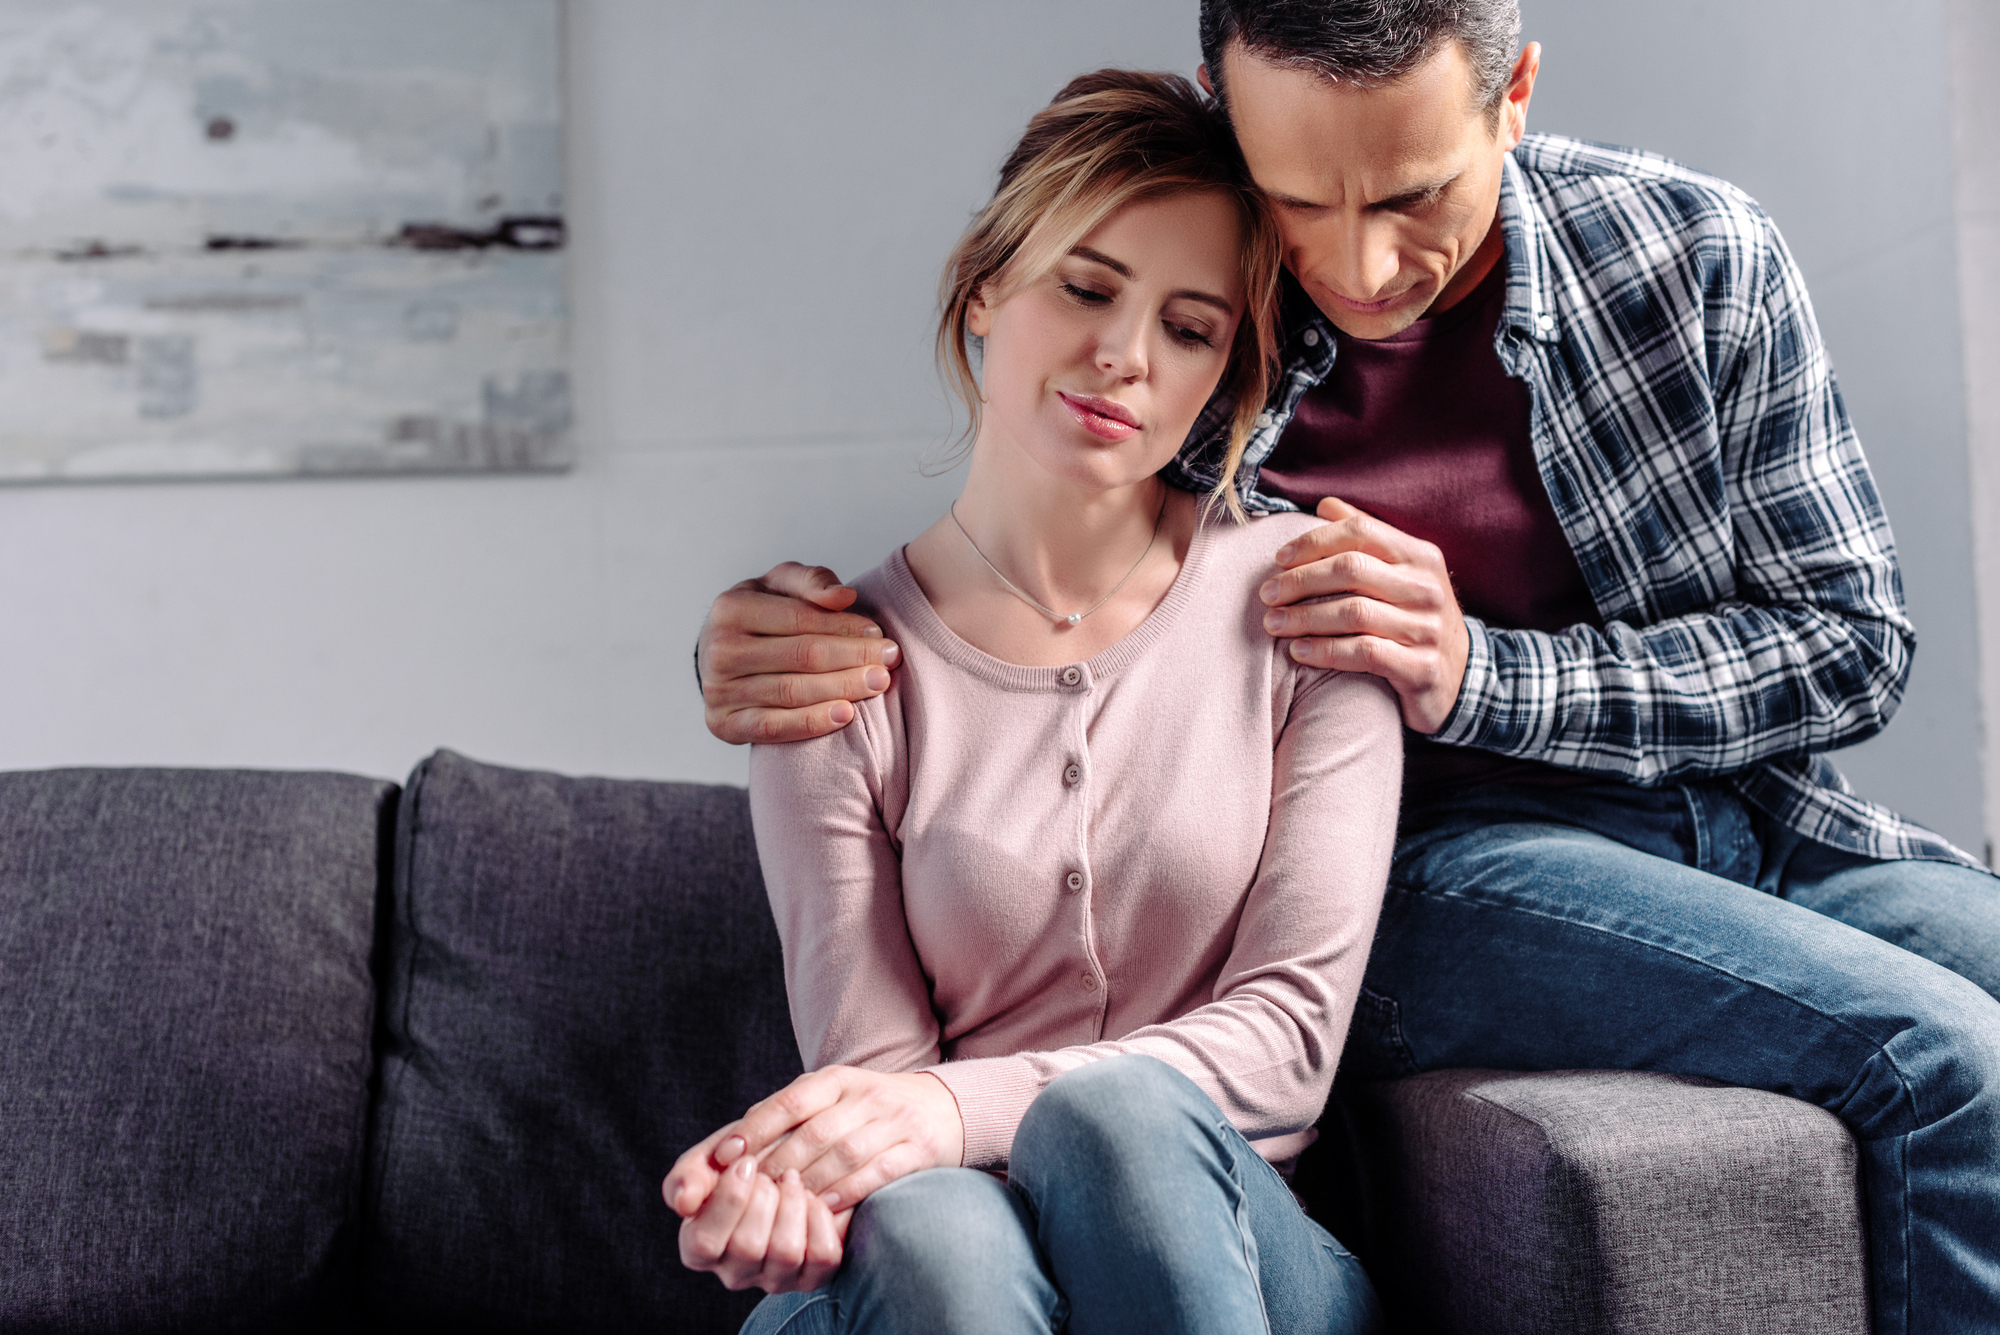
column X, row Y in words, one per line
column 1074, row 881
column 1071, row 676
column 1090, row 982
column 1073, row 774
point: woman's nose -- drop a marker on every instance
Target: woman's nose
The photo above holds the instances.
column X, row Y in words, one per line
column 1122, row 350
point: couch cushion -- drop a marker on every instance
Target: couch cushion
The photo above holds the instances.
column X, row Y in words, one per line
column 185, row 995
column 584, row 981
column 1569, row 1202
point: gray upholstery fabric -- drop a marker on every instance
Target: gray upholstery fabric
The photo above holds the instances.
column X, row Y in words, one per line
column 1608, row 1201
column 185, row 995
column 584, row 980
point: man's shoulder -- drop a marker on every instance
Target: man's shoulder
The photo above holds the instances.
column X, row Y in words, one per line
column 1656, row 190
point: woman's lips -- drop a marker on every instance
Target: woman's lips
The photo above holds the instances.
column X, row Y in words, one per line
column 1100, row 417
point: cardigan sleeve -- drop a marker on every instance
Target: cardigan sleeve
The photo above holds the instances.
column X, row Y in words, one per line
column 1265, row 1045
column 858, row 994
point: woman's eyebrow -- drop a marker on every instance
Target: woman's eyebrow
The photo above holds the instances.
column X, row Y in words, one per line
column 1125, row 271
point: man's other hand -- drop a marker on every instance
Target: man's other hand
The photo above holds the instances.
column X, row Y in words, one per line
column 781, row 659
column 1389, row 610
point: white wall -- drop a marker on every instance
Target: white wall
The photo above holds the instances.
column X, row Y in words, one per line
column 1975, row 61
column 761, row 193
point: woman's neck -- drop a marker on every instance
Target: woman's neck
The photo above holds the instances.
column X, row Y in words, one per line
column 1066, row 546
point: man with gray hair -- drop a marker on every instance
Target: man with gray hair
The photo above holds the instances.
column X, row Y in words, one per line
column 1596, row 512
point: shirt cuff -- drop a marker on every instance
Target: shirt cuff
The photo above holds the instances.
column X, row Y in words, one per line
column 993, row 1095
column 1461, row 725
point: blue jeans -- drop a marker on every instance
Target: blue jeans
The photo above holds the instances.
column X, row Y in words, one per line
column 1130, row 1204
column 1679, row 930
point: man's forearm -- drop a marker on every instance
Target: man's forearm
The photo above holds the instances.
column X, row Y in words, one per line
column 1699, row 695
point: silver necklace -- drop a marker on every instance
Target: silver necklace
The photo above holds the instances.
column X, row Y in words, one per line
column 1071, row 618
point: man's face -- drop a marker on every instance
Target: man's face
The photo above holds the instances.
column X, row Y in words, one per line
column 1384, row 195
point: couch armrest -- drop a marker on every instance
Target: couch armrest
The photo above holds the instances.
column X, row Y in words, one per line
column 1585, row 1201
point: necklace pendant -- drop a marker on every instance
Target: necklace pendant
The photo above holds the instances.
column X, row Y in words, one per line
column 1073, row 618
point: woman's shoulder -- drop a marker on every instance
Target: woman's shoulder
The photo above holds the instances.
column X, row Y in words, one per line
column 1245, row 553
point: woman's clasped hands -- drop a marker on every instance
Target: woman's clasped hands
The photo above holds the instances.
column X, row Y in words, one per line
column 765, row 1201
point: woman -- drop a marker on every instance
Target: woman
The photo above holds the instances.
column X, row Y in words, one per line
column 1085, row 896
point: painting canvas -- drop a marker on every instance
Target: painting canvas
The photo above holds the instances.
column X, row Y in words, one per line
column 244, row 237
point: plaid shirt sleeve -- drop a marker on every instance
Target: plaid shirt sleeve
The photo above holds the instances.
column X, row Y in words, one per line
column 1804, row 645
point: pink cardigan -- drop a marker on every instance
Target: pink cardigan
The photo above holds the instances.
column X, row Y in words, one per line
column 998, row 873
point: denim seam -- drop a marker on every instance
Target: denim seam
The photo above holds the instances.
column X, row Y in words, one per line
column 1243, row 1233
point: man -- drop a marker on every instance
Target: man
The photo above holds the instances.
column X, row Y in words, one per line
column 1598, row 516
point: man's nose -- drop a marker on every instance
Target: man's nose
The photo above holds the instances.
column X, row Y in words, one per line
column 1362, row 259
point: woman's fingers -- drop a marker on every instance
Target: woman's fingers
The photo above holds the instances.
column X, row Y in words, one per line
column 824, row 1234
column 749, row 1245
column 785, row 1253
column 795, row 1104
column 899, row 1160
column 694, row 1174
column 705, row 1236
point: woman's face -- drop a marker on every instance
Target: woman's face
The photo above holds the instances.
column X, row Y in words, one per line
column 1097, row 370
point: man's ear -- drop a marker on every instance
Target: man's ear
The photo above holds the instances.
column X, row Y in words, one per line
column 1201, row 77
column 1514, row 102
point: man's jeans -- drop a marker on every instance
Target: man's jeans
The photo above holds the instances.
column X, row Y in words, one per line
column 1131, row 1205
column 1678, row 930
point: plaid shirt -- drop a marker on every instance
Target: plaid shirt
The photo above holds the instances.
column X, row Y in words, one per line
column 1701, row 463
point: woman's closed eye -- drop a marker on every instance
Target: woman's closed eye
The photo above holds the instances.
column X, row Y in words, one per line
column 1193, row 338
column 1088, row 296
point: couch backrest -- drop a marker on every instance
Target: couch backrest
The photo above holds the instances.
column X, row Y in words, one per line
column 185, row 1002
column 582, row 980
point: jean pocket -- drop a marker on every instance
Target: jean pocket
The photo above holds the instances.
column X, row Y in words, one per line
column 1375, row 1048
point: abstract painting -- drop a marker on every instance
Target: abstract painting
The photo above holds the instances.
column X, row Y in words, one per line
column 256, row 237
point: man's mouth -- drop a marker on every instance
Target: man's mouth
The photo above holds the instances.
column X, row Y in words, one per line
column 1100, row 417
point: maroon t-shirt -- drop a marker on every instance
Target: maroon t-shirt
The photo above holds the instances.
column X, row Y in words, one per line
column 1425, row 431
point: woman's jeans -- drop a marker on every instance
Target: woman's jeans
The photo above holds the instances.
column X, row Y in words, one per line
column 1678, row 930
column 1131, row 1204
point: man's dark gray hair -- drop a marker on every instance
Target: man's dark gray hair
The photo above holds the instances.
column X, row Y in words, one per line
column 1367, row 42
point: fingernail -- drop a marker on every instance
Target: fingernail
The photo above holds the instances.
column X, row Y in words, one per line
column 1274, row 621
column 1285, row 554
column 1299, row 650
column 1269, row 591
column 876, row 679
column 830, row 1199
column 842, row 713
column 891, row 655
column 872, row 633
column 746, row 1168
column 730, row 1150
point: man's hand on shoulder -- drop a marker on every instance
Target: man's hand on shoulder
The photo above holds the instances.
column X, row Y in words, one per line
column 1389, row 610
column 781, row 659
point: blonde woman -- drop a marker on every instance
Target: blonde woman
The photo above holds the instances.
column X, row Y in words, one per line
column 1075, row 913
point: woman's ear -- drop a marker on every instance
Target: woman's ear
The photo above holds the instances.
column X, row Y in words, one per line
column 979, row 315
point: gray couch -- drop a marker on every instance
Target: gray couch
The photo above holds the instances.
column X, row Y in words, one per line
column 292, row 1051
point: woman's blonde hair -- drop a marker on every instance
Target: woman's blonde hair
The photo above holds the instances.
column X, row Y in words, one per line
column 1110, row 139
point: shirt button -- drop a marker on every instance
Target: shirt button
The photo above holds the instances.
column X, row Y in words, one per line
column 1090, row 982
column 1311, row 338
column 1074, row 881
column 1547, row 322
column 1073, row 775
column 1071, row 676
